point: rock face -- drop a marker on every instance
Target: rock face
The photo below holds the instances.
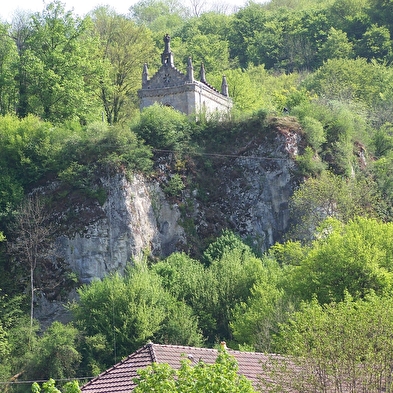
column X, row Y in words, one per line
column 136, row 218
column 251, row 191
column 247, row 192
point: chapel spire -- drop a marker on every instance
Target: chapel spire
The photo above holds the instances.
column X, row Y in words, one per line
column 167, row 55
column 224, row 86
column 145, row 74
column 190, row 71
column 202, row 74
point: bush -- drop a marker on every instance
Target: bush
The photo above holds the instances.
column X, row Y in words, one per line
column 163, row 127
column 174, row 186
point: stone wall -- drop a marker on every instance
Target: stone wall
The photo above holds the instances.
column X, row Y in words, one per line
column 190, row 98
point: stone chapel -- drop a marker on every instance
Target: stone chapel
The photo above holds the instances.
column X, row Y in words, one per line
column 171, row 87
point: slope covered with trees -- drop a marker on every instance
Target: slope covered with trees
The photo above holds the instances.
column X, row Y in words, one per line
column 69, row 110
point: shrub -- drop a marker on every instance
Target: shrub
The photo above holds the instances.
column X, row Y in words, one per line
column 163, row 127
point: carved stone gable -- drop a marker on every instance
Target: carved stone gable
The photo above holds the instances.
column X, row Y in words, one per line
column 166, row 77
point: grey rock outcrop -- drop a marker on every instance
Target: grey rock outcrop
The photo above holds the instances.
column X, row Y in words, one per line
column 247, row 192
column 252, row 192
column 136, row 218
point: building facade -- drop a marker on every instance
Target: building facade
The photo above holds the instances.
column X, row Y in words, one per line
column 170, row 87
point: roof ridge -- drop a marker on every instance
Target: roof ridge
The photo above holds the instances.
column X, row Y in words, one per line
column 214, row 349
column 152, row 352
column 119, row 363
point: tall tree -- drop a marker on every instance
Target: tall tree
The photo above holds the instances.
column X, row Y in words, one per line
column 122, row 313
column 160, row 16
column 336, row 46
column 55, row 355
column 20, row 32
column 125, row 48
column 62, row 57
column 8, row 60
column 354, row 258
column 376, row 44
column 343, row 347
column 32, row 230
column 245, row 26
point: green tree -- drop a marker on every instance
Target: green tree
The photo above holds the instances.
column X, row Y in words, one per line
column 336, row 46
column 379, row 12
column 55, row 355
column 330, row 195
column 235, row 274
column 351, row 79
column 205, row 40
column 8, row 62
column 353, row 258
column 16, row 341
column 376, row 44
column 209, row 49
column 125, row 48
column 303, row 31
column 244, row 92
column 350, row 16
column 218, row 377
column 347, row 345
column 213, row 291
column 343, row 127
column 225, row 243
column 27, row 154
column 189, row 281
column 119, row 314
column 256, row 320
column 266, row 46
column 247, row 22
column 61, row 59
column 159, row 16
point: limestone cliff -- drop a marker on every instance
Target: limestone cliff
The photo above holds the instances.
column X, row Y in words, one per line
column 134, row 219
column 246, row 191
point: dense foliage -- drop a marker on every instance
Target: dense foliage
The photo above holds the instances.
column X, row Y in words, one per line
column 69, row 113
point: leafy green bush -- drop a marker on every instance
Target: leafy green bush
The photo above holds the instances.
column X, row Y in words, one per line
column 315, row 133
column 309, row 163
column 227, row 242
column 163, row 127
column 174, row 186
column 135, row 308
column 354, row 258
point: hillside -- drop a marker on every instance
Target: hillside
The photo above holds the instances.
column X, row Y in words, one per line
column 269, row 227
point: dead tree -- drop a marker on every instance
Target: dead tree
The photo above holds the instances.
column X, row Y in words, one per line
column 29, row 246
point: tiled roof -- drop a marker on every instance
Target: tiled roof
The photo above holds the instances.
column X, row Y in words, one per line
column 118, row 379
